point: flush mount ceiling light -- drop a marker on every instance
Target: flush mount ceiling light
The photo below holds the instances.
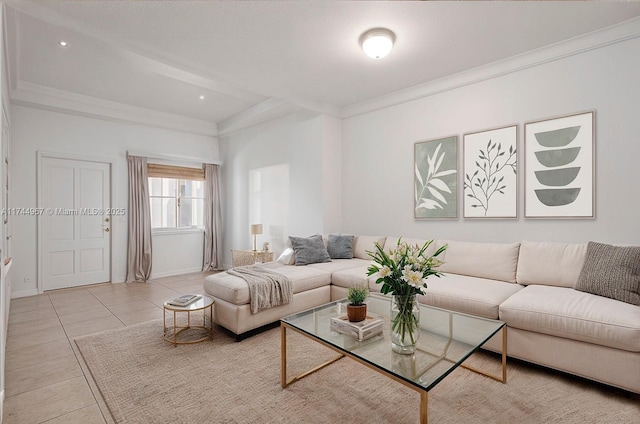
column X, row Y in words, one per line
column 63, row 43
column 377, row 42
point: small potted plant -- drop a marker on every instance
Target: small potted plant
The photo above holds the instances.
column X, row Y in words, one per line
column 357, row 309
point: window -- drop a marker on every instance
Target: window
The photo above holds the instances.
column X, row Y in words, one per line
column 176, row 196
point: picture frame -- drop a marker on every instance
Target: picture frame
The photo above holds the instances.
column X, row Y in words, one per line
column 436, row 179
column 560, row 167
column 490, row 173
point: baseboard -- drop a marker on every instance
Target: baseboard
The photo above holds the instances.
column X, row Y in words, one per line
column 155, row 275
column 24, row 293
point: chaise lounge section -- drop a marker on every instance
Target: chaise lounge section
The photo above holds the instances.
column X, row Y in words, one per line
column 529, row 285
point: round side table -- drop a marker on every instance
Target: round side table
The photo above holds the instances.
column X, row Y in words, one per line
column 180, row 333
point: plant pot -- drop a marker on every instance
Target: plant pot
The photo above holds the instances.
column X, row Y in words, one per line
column 356, row 313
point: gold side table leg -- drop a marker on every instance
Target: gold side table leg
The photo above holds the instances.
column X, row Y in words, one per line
column 175, row 334
column 211, row 319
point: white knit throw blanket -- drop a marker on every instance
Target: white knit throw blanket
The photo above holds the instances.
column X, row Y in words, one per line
column 266, row 288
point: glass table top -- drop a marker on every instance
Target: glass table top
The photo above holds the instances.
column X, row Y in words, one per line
column 203, row 302
column 446, row 339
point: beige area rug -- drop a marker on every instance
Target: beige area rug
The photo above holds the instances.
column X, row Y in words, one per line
column 144, row 379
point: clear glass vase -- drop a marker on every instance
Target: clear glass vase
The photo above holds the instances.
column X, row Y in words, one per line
column 405, row 323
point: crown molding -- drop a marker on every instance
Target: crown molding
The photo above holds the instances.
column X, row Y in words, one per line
column 39, row 96
column 594, row 40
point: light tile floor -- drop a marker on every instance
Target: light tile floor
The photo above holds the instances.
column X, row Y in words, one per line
column 44, row 381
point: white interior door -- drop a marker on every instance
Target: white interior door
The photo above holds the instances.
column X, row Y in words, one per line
column 75, row 246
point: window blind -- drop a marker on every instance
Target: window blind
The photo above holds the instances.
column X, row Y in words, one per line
column 171, row 171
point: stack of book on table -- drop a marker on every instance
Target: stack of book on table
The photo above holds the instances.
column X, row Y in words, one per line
column 363, row 330
column 184, row 300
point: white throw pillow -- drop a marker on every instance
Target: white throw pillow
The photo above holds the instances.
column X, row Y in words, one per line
column 286, row 257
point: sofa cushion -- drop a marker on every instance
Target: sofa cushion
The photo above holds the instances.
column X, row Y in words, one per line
column 611, row 271
column 550, row 264
column 340, row 264
column 309, row 250
column 340, row 246
column 363, row 243
column 352, row 276
column 565, row 312
column 236, row 290
column 493, row 261
column 470, row 295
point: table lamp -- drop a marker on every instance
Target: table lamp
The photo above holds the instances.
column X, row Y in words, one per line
column 255, row 230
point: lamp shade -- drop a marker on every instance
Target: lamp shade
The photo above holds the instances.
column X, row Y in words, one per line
column 256, row 229
column 377, row 43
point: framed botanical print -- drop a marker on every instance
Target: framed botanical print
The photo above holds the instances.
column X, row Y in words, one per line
column 436, row 176
column 560, row 167
column 490, row 170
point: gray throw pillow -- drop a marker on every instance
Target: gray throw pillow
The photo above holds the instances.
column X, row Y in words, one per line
column 611, row 271
column 309, row 250
column 340, row 247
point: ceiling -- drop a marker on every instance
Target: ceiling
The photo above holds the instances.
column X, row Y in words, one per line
column 254, row 59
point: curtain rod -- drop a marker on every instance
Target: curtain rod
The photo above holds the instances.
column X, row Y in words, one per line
column 160, row 156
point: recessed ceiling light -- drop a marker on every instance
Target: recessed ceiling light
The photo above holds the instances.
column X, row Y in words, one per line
column 63, row 43
column 202, row 97
column 377, row 42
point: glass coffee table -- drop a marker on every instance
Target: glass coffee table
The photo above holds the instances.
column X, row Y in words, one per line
column 446, row 340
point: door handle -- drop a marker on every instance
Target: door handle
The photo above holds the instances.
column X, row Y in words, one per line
column 106, row 230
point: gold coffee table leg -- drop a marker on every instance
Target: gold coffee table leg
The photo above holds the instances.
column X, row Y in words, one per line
column 283, row 360
column 424, row 404
column 502, row 378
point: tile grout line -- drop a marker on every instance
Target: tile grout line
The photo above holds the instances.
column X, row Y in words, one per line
column 76, row 352
column 102, row 303
column 71, row 344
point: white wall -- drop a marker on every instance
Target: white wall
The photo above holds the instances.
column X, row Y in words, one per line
column 5, row 282
column 331, row 174
column 42, row 130
column 310, row 147
column 175, row 253
column 378, row 149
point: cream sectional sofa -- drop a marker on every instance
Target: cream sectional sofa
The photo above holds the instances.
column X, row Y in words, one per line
column 527, row 285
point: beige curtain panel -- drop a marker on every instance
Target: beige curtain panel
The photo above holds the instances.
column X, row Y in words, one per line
column 139, row 231
column 212, row 222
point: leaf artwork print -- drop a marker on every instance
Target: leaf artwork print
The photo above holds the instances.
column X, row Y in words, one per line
column 490, row 174
column 488, row 179
column 435, row 171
